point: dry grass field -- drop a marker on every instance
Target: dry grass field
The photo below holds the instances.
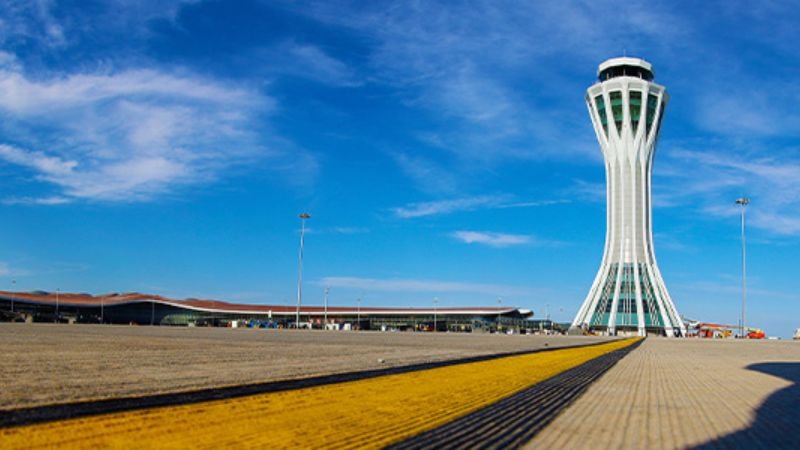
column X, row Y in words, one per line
column 45, row 364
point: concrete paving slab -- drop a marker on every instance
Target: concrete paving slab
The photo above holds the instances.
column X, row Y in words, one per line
column 688, row 394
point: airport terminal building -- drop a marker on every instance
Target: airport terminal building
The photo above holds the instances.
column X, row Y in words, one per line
column 142, row 309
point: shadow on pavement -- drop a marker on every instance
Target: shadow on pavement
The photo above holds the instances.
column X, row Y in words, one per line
column 777, row 422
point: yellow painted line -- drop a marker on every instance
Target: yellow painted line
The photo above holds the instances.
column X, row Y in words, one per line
column 369, row 413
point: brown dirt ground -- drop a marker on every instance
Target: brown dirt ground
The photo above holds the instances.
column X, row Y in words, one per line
column 43, row 364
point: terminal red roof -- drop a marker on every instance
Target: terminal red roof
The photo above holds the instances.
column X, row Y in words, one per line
column 216, row 305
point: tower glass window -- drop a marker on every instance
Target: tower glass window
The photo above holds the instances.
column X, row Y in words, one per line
column 601, row 111
column 616, row 108
column 652, row 102
column 636, row 109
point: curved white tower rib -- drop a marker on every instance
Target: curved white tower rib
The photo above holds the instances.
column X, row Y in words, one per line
column 628, row 293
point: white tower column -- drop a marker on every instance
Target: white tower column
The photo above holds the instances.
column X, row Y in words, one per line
column 628, row 294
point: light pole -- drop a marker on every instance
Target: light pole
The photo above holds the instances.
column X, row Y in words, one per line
column 499, row 305
column 743, row 202
column 57, row 293
column 327, row 291
column 358, row 314
column 435, row 301
column 547, row 315
column 303, row 217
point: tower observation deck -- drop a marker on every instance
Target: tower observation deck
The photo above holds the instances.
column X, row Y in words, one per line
column 628, row 294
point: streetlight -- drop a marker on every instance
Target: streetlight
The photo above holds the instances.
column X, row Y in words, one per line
column 358, row 314
column 499, row 305
column 327, row 291
column 303, row 217
column 435, row 301
column 743, row 202
column 547, row 315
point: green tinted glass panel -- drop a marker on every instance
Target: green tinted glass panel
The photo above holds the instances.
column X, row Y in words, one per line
column 616, row 108
column 601, row 110
column 652, row 102
column 636, row 109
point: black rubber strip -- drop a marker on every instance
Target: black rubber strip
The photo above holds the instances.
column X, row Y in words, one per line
column 515, row 420
column 63, row 411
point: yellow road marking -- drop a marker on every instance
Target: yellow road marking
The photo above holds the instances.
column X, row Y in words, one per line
column 367, row 413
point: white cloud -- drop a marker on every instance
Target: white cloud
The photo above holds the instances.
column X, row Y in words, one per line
column 55, row 200
column 446, row 206
column 717, row 178
column 312, row 62
column 450, row 206
column 492, row 239
column 135, row 134
column 427, row 175
column 301, row 60
column 7, row 270
column 752, row 112
column 460, row 63
column 22, row 96
column 416, row 285
column 350, row 230
column 337, row 230
column 33, row 20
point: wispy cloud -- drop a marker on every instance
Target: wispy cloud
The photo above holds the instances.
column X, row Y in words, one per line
column 446, row 206
column 130, row 135
column 35, row 20
column 719, row 177
column 450, row 206
column 338, row 230
column 492, row 239
column 733, row 289
column 7, row 270
column 312, row 62
column 4, row 269
column 417, row 285
column 427, row 175
column 55, row 200
column 457, row 62
column 304, row 60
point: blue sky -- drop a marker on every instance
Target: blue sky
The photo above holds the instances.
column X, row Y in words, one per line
column 443, row 150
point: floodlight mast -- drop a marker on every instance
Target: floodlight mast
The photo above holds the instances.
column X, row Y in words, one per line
column 743, row 202
column 303, row 217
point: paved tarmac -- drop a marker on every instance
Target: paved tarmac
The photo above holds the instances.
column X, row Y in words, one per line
column 367, row 413
column 45, row 364
column 688, row 394
column 679, row 393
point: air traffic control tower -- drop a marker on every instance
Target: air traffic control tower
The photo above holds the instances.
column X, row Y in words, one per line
column 628, row 295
